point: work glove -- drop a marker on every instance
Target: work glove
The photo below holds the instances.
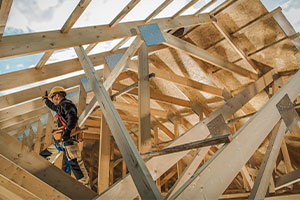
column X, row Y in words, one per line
column 46, row 95
column 66, row 135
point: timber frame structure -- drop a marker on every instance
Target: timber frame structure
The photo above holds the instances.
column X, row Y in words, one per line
column 200, row 106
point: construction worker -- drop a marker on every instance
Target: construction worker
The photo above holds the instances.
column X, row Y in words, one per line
column 66, row 123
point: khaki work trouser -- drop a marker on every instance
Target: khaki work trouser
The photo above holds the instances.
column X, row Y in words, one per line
column 74, row 158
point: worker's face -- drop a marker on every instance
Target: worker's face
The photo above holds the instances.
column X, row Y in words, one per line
column 56, row 99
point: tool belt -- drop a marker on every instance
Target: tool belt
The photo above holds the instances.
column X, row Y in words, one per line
column 76, row 133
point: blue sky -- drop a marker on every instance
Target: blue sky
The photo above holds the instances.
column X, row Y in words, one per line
column 28, row 16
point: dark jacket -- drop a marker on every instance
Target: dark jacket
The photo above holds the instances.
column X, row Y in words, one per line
column 65, row 109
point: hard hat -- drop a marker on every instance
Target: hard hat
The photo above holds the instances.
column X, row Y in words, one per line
column 55, row 90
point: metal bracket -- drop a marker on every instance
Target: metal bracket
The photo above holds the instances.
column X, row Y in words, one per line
column 288, row 112
column 151, row 34
column 217, row 126
column 113, row 59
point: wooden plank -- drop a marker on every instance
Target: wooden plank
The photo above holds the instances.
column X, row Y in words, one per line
column 49, row 128
column 81, row 6
column 40, row 42
column 44, row 59
column 104, row 149
column 264, row 175
column 179, row 80
column 158, row 10
column 28, row 181
column 187, row 6
column 19, row 118
column 217, row 166
column 287, row 179
column 286, row 157
column 123, row 41
column 159, row 165
column 11, row 190
column 237, row 49
column 144, row 138
column 38, row 137
column 158, row 97
column 136, row 166
column 192, row 145
column 124, row 12
column 42, row 169
column 82, row 99
column 199, row 53
column 5, row 6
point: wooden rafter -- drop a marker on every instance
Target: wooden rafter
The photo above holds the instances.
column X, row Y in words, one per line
column 5, row 6
column 207, row 57
column 158, row 10
column 40, row 42
column 124, row 12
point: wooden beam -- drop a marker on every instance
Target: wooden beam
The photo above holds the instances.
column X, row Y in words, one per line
column 44, row 59
column 188, row 146
column 287, row 179
column 264, row 175
column 179, row 80
column 11, row 190
column 28, row 181
column 136, row 166
column 187, row 6
column 144, row 139
column 286, row 157
column 217, row 166
column 158, row 97
column 229, row 39
column 158, row 10
column 157, row 166
column 42, row 169
column 40, row 42
column 104, row 148
column 4, row 12
column 38, row 137
column 123, row 41
column 20, row 118
column 199, row 53
column 124, row 12
column 81, row 6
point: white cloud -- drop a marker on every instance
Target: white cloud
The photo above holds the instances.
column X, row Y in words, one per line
column 7, row 67
column 291, row 10
column 60, row 55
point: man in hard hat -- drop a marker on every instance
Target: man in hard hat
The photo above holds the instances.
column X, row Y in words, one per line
column 66, row 123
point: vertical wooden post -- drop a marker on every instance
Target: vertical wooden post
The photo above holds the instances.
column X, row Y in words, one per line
column 104, row 149
column 144, row 101
column 176, row 133
column 82, row 99
column 49, row 128
column 38, row 137
column 30, row 139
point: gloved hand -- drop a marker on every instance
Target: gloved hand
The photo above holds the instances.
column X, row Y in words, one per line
column 46, row 95
column 66, row 134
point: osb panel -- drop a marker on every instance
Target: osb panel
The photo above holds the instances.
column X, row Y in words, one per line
column 255, row 37
column 240, row 14
column 282, row 56
column 205, row 35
